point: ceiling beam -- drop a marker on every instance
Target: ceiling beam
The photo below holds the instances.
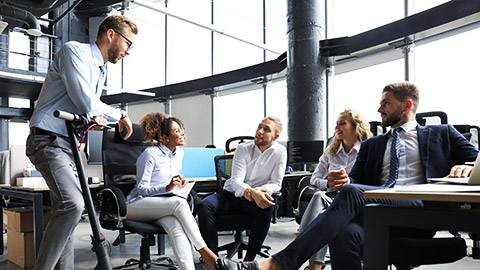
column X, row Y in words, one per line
column 419, row 22
column 206, row 83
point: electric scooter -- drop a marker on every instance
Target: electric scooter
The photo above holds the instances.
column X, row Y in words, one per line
column 76, row 124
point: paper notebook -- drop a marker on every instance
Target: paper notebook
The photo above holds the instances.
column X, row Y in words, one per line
column 182, row 192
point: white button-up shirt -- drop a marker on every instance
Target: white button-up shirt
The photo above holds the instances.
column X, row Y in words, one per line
column 252, row 168
column 327, row 163
column 410, row 170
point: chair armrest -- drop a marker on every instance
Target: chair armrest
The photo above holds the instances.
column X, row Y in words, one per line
column 113, row 205
column 275, row 197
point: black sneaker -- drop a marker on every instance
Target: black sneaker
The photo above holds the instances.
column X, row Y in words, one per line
column 226, row 264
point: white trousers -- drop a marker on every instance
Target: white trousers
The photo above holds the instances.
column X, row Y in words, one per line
column 175, row 216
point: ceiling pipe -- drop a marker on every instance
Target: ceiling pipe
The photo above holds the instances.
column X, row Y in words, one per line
column 40, row 6
column 22, row 15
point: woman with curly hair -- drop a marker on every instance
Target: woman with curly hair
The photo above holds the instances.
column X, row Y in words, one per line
column 158, row 172
column 350, row 131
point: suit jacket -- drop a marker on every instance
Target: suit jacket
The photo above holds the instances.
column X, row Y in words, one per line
column 441, row 147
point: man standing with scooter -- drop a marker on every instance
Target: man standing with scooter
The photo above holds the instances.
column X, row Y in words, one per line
column 73, row 84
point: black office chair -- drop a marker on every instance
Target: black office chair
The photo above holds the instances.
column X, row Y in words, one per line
column 232, row 143
column 119, row 168
column 237, row 223
column 409, row 252
column 376, row 128
column 301, row 197
column 423, row 117
column 475, row 130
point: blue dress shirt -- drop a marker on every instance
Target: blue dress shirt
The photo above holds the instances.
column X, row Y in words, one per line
column 71, row 86
column 155, row 168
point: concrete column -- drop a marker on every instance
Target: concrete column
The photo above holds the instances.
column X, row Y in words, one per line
column 306, row 74
column 4, row 127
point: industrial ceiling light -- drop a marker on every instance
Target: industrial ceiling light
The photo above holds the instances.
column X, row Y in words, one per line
column 3, row 25
column 34, row 32
column 21, row 15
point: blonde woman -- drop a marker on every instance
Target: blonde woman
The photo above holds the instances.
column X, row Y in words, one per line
column 350, row 131
column 158, row 172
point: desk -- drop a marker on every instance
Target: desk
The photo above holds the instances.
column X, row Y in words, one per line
column 33, row 194
column 379, row 218
column 204, row 184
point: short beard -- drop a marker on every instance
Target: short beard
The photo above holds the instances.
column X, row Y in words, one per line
column 393, row 118
column 113, row 55
column 263, row 143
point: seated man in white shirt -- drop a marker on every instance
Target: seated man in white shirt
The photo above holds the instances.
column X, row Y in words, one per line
column 257, row 172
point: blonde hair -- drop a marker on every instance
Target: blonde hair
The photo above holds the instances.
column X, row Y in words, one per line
column 155, row 125
column 117, row 23
column 362, row 129
column 277, row 122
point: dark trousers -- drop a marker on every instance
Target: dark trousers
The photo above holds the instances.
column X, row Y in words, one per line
column 340, row 226
column 226, row 203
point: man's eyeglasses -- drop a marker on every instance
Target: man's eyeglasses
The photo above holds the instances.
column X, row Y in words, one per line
column 130, row 46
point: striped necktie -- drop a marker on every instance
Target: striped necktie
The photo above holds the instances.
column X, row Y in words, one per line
column 394, row 154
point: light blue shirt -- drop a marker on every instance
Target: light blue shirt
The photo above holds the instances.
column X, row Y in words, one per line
column 71, row 86
column 410, row 169
column 155, row 168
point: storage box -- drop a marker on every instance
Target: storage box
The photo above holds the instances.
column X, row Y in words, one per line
column 20, row 244
column 20, row 248
column 31, row 182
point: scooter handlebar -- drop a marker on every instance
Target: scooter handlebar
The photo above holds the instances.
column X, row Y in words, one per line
column 66, row 115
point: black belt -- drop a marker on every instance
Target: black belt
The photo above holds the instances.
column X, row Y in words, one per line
column 39, row 131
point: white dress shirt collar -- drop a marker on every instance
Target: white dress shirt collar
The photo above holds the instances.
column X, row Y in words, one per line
column 97, row 55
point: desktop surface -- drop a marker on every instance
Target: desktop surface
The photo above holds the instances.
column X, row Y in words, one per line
column 444, row 196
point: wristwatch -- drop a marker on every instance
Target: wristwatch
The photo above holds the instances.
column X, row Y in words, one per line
column 123, row 113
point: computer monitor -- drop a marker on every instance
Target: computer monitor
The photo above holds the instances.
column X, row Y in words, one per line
column 93, row 147
column 304, row 152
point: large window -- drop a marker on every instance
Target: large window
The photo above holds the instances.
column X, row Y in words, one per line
column 19, row 51
column 189, row 55
column 348, row 18
column 422, row 5
column 276, row 27
column 277, row 104
column 145, row 67
column 362, row 89
column 243, row 20
column 18, row 131
column 237, row 115
column 446, row 72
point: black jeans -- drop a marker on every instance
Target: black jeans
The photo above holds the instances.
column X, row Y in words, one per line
column 226, row 203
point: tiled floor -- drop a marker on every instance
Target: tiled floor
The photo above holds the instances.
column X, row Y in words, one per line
column 279, row 236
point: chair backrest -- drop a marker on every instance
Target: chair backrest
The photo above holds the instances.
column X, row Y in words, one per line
column 376, row 128
column 119, row 157
column 232, row 143
column 423, row 118
column 475, row 130
column 223, row 169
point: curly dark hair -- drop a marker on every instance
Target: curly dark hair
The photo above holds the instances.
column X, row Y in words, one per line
column 155, row 125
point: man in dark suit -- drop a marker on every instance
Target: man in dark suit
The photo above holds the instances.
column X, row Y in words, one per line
column 406, row 155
